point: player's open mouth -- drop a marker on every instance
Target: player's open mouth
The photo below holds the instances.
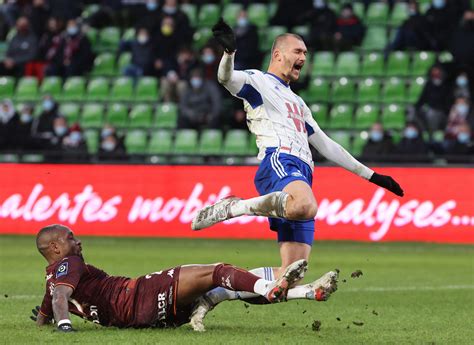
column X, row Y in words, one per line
column 298, row 67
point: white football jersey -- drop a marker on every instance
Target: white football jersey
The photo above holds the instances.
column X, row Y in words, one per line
column 275, row 114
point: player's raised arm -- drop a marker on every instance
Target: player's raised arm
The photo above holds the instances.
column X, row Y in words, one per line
column 336, row 153
column 61, row 296
column 232, row 80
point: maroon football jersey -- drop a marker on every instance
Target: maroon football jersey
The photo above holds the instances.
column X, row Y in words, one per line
column 148, row 301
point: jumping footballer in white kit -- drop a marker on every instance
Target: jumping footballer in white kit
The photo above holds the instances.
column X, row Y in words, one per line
column 284, row 128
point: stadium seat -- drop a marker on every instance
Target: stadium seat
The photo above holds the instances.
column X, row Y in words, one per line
column 92, row 34
column 320, row 114
column 394, row 90
column 360, row 139
column 211, row 142
column 372, row 65
column 140, row 116
column 27, row 89
column 231, row 12
column 128, row 34
column 92, row 115
column 136, row 142
column 74, row 89
column 51, row 86
column 32, row 158
column 7, row 87
column 166, row 115
column 393, row 116
column 123, row 61
column 302, row 30
column 398, row 64
column 422, row 61
column 236, row 142
column 9, row 158
column 414, row 89
column 98, row 89
column 343, row 90
column 399, row 14
column 359, row 9
column 347, row 64
column 122, row 89
column 258, row 14
column 343, row 138
column 365, row 116
column 369, row 90
column 323, row 64
column 92, row 140
column 445, row 57
column 375, row 38
column 191, row 12
column 268, row 34
column 340, row 116
column 161, row 142
column 104, row 65
column 201, row 37
column 186, row 141
column 109, row 39
column 208, row 15
column 117, row 115
column 147, row 89
column 70, row 111
column 317, row 91
column 377, row 13
column 266, row 61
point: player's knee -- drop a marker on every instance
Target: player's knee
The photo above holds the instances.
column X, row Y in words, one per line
column 301, row 210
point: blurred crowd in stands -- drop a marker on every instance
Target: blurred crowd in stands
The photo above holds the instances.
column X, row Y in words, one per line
column 49, row 38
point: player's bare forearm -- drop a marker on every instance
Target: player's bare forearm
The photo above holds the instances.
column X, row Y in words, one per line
column 61, row 296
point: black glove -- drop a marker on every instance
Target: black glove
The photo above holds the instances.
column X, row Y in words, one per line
column 387, row 182
column 35, row 312
column 66, row 328
column 224, row 35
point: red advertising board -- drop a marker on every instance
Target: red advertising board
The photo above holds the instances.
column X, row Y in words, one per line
column 127, row 200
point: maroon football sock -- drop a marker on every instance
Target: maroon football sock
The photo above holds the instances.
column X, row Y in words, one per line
column 233, row 278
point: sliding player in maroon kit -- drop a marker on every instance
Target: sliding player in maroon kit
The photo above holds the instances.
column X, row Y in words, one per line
column 160, row 299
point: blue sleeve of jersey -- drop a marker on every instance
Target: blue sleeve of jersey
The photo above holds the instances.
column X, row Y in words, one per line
column 251, row 95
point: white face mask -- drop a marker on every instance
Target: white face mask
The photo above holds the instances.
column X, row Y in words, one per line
column 142, row 39
column 463, row 137
column 75, row 137
column 60, row 130
column 106, row 132
column 25, row 117
column 108, row 146
column 462, row 109
column 196, row 82
column 461, row 81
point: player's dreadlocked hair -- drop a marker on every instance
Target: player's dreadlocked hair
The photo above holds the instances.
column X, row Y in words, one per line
column 47, row 232
column 281, row 38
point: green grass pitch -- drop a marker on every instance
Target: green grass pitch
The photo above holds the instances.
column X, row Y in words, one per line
column 409, row 293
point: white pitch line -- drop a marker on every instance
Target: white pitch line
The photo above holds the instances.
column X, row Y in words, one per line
column 341, row 289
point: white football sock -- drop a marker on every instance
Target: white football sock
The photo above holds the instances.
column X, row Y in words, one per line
column 268, row 205
column 297, row 292
column 261, row 286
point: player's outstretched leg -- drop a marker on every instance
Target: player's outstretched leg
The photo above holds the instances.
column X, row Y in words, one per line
column 269, row 205
column 319, row 290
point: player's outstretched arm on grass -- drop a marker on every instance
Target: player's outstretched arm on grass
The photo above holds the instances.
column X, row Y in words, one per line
column 336, row 153
column 39, row 318
column 61, row 296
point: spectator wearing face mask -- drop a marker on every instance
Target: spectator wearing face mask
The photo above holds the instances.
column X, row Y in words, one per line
column 441, row 19
column 109, row 130
column 290, row 13
column 148, row 16
column 49, row 43
column 461, row 44
column 167, row 43
column 111, row 149
column 433, row 105
column 379, row 144
column 322, row 20
column 42, row 127
column 412, row 143
column 60, row 131
column 38, row 15
column 246, row 38
column 23, row 139
column 8, row 121
column 73, row 145
column 462, row 86
column 200, row 105
column 21, row 49
column 174, row 83
column 350, row 30
column 142, row 51
column 74, row 56
column 210, row 63
column 183, row 28
column 460, row 114
column 412, row 34
column 462, row 144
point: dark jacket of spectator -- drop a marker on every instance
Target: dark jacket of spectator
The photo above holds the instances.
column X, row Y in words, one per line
column 200, row 105
column 379, row 145
column 183, row 28
column 142, row 53
column 350, row 30
column 413, row 34
column 322, row 20
column 8, row 123
column 462, row 40
column 73, row 146
column 38, row 16
column 42, row 128
column 412, row 142
column 66, row 9
column 289, row 13
column 49, row 41
column 435, row 94
column 23, row 139
column 111, row 148
column 246, row 38
column 441, row 19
